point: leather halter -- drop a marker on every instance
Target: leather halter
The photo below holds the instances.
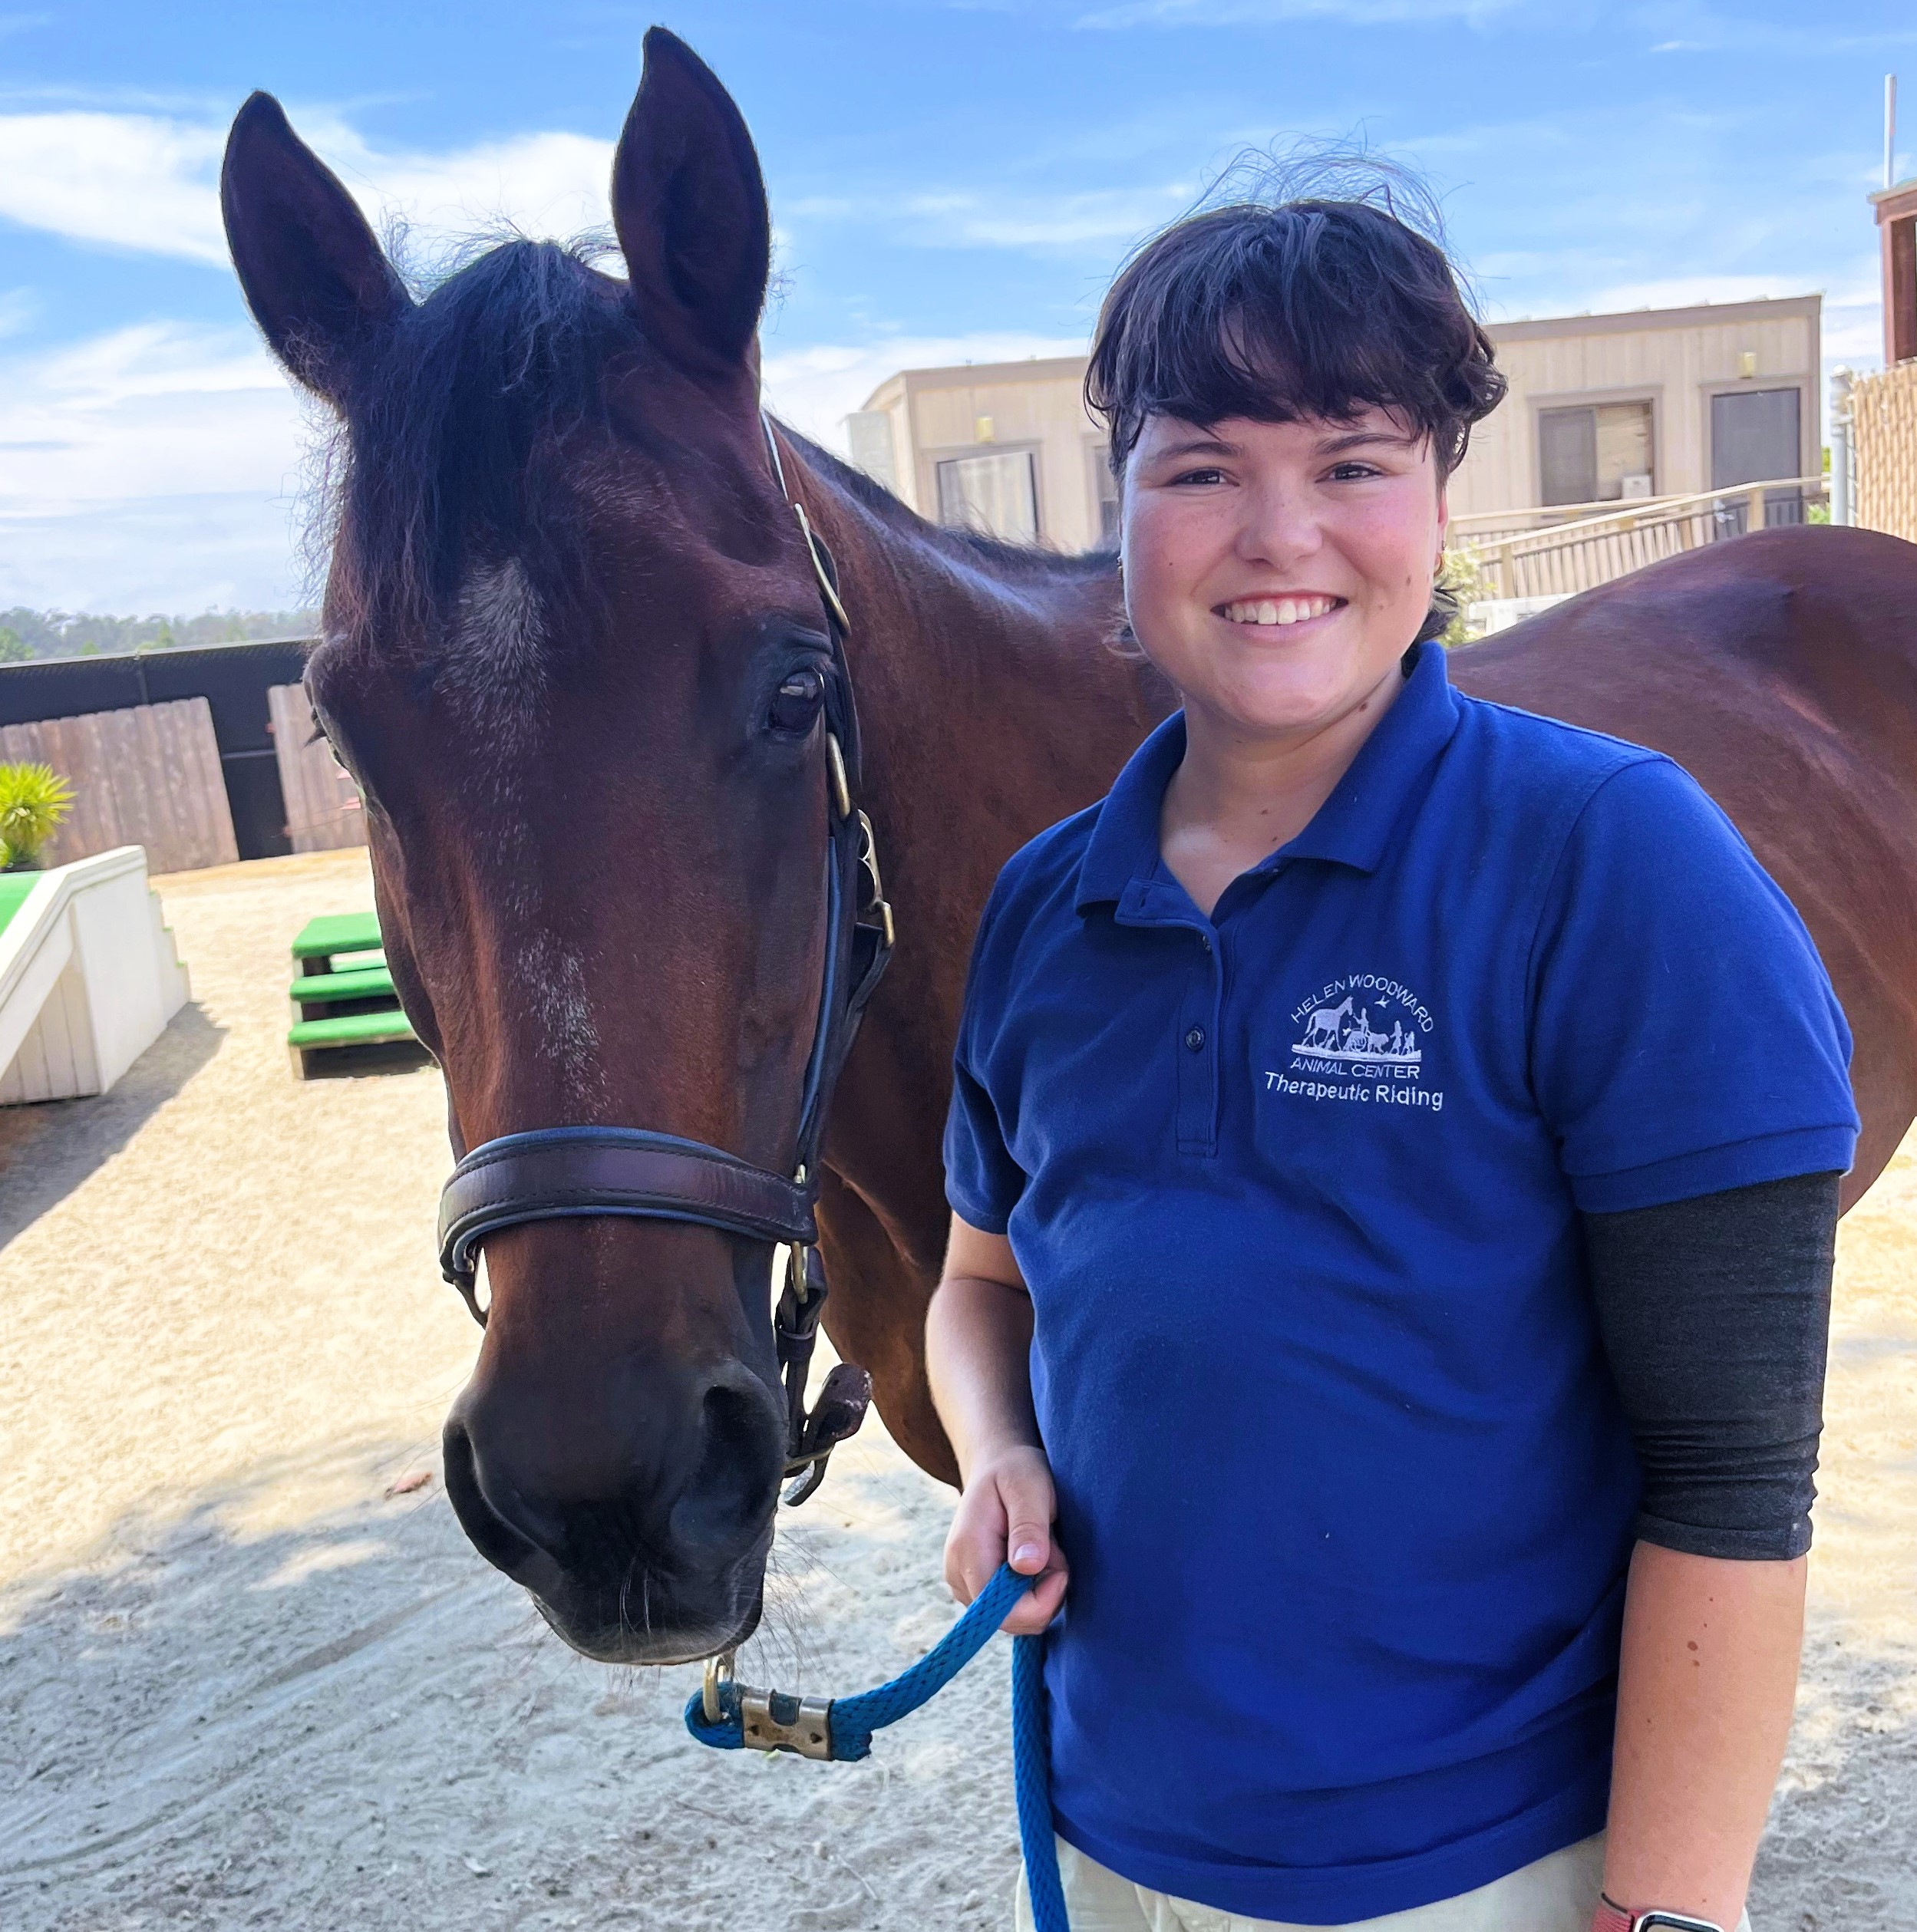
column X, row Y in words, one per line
column 558, row 1173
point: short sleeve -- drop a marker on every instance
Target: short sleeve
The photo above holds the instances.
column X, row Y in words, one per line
column 983, row 1182
column 1684, row 1035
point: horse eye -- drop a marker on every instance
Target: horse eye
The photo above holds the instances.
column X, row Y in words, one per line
column 795, row 706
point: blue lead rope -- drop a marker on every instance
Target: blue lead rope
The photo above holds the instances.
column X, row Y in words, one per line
column 851, row 1721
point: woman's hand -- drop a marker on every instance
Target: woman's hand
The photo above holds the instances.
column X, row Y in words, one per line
column 1005, row 1515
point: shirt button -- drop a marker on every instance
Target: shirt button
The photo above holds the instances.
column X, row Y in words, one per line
column 1195, row 1038
column 1205, row 940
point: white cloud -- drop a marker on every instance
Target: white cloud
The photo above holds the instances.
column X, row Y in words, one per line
column 134, row 181
column 149, row 182
column 1049, row 221
column 155, row 468
column 163, row 468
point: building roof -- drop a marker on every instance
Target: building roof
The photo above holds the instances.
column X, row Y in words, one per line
column 1702, row 314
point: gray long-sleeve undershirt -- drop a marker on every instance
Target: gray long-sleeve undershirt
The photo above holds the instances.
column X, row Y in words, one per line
column 1714, row 1313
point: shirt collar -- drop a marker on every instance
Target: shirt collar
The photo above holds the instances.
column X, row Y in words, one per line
column 1353, row 827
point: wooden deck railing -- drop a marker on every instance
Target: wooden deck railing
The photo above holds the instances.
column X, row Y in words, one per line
column 1566, row 557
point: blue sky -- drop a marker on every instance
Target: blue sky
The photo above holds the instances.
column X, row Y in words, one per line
column 949, row 179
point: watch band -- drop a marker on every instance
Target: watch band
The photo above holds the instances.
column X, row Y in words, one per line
column 1611, row 1916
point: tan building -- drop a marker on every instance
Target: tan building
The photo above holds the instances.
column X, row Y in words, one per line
column 1657, row 402
column 1602, row 409
column 1004, row 446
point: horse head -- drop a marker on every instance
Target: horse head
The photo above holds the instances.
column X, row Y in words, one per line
column 575, row 657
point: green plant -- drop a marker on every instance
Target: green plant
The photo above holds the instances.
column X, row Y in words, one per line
column 33, row 799
column 13, row 648
column 1467, row 581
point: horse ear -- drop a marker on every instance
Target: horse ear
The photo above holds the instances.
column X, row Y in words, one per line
column 318, row 284
column 688, row 203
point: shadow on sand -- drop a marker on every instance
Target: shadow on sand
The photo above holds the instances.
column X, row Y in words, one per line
column 48, row 1148
column 298, row 1699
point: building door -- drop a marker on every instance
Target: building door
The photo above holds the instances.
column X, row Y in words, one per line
column 1754, row 436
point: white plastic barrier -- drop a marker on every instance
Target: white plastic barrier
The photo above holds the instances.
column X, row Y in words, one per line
column 1499, row 613
column 88, row 979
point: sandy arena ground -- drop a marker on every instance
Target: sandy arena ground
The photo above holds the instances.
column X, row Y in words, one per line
column 245, row 1680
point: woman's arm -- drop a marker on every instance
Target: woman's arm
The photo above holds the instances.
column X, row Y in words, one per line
column 978, row 1344
column 1713, row 1313
column 1705, row 1690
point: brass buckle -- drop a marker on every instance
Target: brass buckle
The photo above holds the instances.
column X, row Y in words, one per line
column 875, row 901
column 774, row 1720
column 718, row 1677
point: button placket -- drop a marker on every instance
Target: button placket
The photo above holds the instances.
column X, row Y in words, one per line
column 1197, row 1053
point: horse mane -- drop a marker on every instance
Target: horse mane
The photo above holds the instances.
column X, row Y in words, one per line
column 454, row 417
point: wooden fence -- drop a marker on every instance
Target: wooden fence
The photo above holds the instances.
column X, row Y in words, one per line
column 1883, row 433
column 323, row 809
column 146, row 776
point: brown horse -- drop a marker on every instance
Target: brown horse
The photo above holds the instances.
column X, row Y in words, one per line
column 574, row 655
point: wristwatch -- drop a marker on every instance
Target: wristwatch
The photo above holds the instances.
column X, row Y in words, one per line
column 1611, row 1916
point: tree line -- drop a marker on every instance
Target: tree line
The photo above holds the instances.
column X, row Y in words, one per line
column 27, row 636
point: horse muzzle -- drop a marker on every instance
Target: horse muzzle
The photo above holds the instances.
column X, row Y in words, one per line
column 631, row 1559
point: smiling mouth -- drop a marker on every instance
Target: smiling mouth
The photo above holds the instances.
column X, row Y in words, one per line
column 1277, row 612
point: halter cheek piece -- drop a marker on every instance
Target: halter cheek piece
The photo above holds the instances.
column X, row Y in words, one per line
column 560, row 1173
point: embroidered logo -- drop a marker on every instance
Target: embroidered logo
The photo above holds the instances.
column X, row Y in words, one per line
column 1360, row 1038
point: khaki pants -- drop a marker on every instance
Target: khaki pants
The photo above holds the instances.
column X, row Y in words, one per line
column 1557, row 1894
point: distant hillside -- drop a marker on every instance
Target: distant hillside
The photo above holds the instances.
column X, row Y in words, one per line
column 27, row 635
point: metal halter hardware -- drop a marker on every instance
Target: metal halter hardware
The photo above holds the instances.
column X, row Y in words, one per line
column 560, row 1173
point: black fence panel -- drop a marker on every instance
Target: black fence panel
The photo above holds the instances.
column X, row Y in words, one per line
column 233, row 678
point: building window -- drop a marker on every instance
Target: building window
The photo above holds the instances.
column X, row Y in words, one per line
column 996, row 494
column 868, row 436
column 1105, row 490
column 1597, row 453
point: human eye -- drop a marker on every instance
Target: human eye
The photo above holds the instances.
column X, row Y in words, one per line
column 1198, row 478
column 1352, row 471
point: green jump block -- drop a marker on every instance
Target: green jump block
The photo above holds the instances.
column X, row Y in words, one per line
column 337, row 932
column 350, row 1030
column 360, row 983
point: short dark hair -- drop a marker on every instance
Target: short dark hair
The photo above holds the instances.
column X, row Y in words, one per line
column 1307, row 308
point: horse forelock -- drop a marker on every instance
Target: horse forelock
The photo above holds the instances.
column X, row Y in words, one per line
column 449, row 426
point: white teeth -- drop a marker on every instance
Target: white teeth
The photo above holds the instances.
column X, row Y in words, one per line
column 1279, row 611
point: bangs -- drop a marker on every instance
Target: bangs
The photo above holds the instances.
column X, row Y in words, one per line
column 1312, row 309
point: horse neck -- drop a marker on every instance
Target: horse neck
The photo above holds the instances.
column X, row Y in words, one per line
column 990, row 706
column 966, row 658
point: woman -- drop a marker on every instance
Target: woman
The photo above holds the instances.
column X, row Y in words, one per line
column 1392, row 1162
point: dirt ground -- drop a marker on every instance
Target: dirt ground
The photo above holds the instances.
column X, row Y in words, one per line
column 244, row 1680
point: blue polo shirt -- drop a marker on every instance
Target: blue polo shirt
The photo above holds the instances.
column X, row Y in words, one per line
column 1342, row 1475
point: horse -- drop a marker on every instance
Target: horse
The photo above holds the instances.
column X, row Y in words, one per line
column 574, row 655
column 1327, row 1022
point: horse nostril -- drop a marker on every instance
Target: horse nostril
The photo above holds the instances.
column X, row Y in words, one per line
column 735, row 1482
column 501, row 1542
